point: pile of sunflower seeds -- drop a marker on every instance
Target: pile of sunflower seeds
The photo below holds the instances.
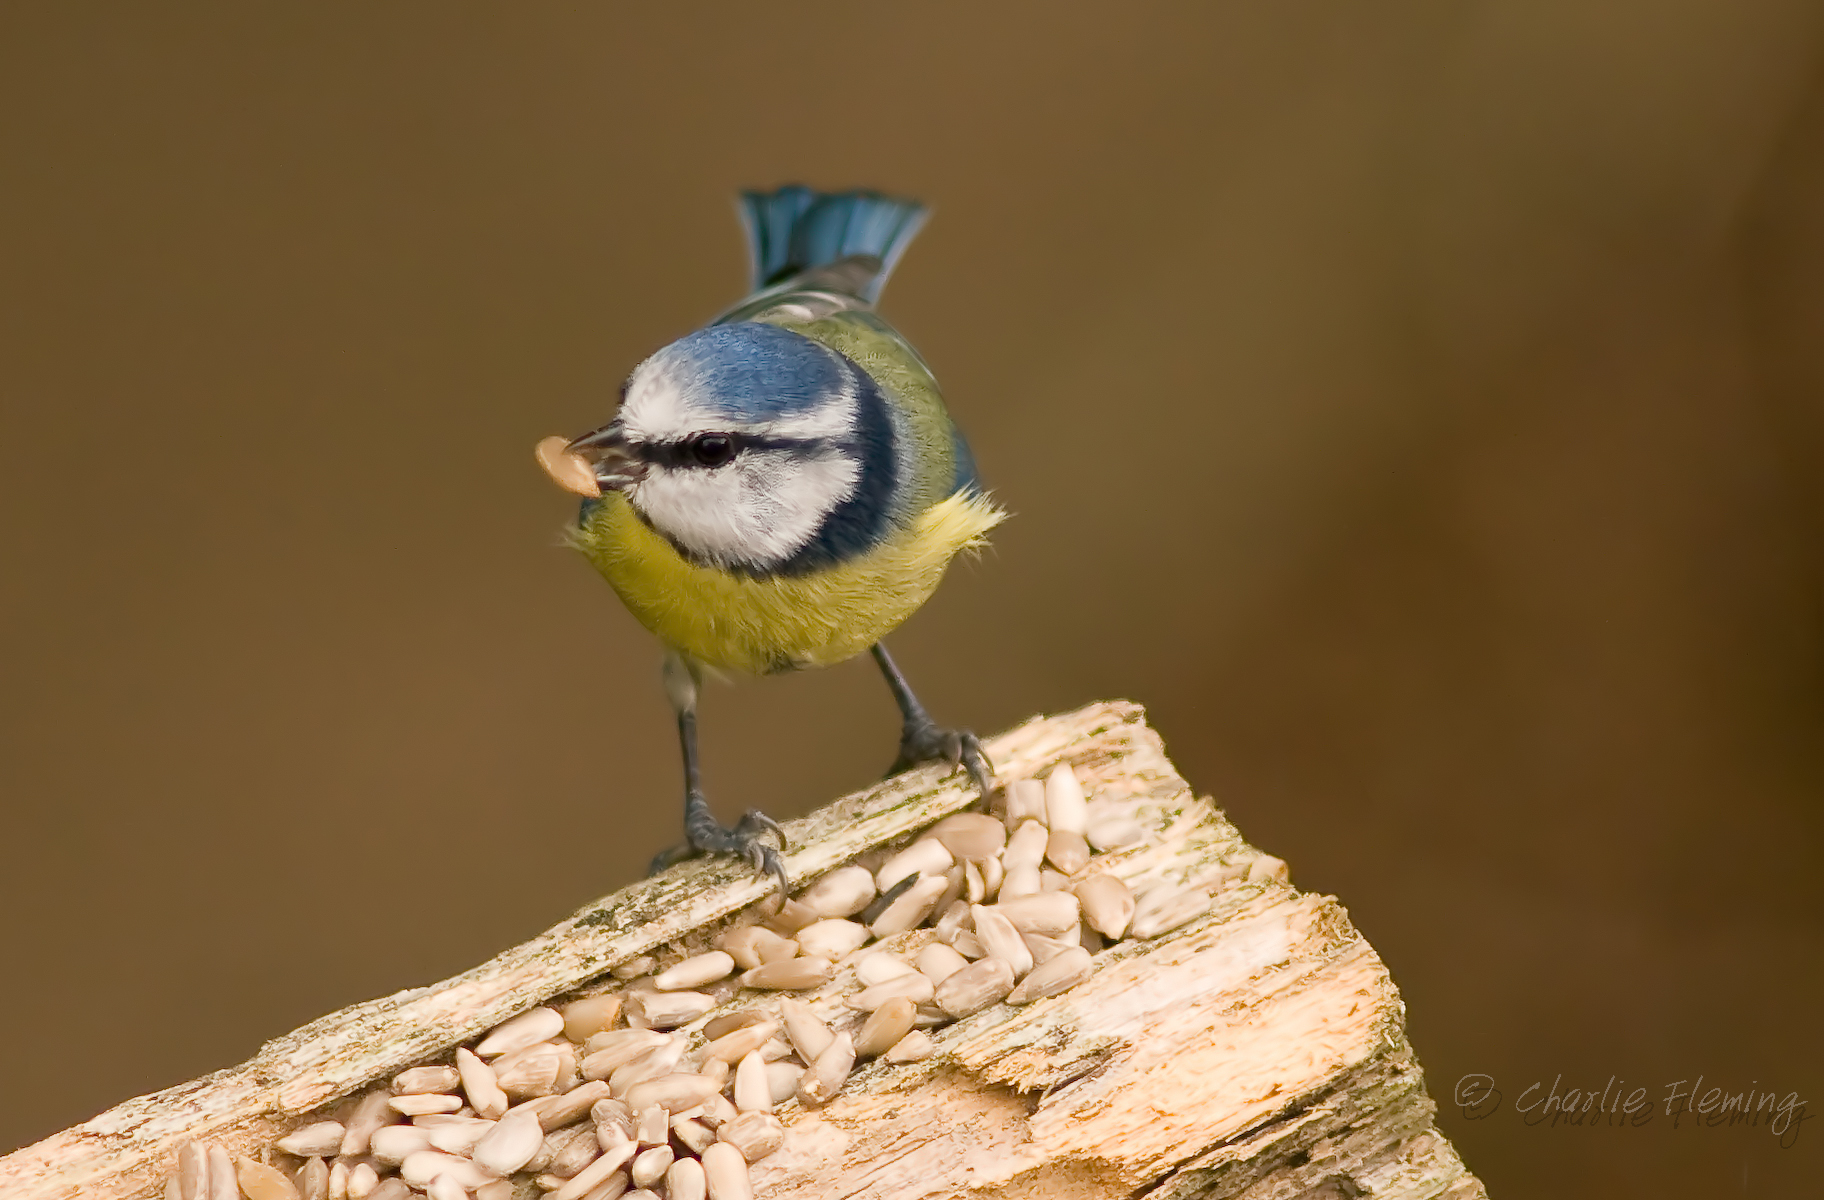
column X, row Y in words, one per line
column 669, row 1083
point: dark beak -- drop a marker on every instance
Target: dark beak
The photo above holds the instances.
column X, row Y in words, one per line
column 610, row 456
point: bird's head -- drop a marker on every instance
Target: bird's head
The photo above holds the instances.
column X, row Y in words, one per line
column 745, row 445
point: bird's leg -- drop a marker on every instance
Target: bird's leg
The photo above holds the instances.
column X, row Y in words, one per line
column 703, row 834
column 922, row 740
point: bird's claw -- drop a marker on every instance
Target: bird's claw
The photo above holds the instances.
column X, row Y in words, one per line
column 930, row 742
column 703, row 835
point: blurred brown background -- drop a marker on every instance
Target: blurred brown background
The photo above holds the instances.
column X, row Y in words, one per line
column 1416, row 405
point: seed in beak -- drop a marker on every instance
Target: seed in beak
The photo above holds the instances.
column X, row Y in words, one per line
column 568, row 469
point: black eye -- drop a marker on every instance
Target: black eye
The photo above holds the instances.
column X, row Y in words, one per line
column 711, row 449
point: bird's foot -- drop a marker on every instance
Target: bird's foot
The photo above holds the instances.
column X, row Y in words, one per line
column 926, row 741
column 704, row 835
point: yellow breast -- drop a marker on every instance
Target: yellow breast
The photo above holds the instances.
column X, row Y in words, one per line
column 762, row 625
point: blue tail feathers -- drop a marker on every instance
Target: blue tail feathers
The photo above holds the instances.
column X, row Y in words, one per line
column 796, row 229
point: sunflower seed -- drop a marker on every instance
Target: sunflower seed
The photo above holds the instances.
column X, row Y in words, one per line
column 394, row 1144
column 445, row 1187
column 684, row 1180
column 420, row 1080
column 879, row 967
column 727, row 1023
column 1067, row 851
column 791, row 917
column 825, row 1077
column 478, row 1083
column 555, row 1112
column 809, row 1035
column 752, row 1093
column 754, row 1134
column 1025, row 802
column 459, row 1138
column 782, row 1079
column 916, row 1046
column 595, row 1174
column 1026, row 848
column 391, row 1189
column 510, row 1145
column 994, row 874
column 370, row 1113
column 938, row 962
column 1065, row 809
column 1001, row 940
column 613, row 1121
column 755, row 945
column 1090, row 940
column 673, row 1093
column 878, row 905
column 911, row 909
column 832, row 938
column 1108, row 905
column 975, row 987
column 913, row 986
column 362, row 1180
column 955, row 883
column 461, row 1116
column 633, row 968
column 1049, row 913
column 338, row 1181
column 695, row 972
column 1163, row 910
column 716, row 1069
column 734, row 1046
column 725, row 1173
column 926, row 856
column 974, row 890
column 261, row 1182
column 668, row 1010
column 1265, row 867
column 619, row 1047
column 1020, row 882
column 585, row 1018
column 420, row 1168
column 649, row 1166
column 954, row 920
column 1042, row 948
column 1058, row 974
column 192, row 1171
column 842, row 893
column 533, row 1075
column 884, row 1027
column 419, row 1105
column 660, row 1060
column 651, row 1125
column 324, row 1137
column 790, row 975
column 930, row 1016
column 527, row 1029
column 972, row 836
column 572, row 1150
column 500, row 1189
column 695, row 1135
column 1112, row 833
column 223, row 1184
column 967, row 944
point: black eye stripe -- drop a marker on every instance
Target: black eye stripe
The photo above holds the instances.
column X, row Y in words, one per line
column 685, row 452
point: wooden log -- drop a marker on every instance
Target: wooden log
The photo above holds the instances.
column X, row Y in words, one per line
column 1257, row 1050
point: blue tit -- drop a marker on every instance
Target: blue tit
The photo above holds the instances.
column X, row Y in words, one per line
column 783, row 487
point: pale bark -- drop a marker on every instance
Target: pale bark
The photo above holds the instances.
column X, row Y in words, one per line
column 1258, row 1051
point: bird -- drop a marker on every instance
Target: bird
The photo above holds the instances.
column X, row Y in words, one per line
column 783, row 487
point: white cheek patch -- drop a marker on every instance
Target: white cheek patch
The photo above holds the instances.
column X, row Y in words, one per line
column 757, row 511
